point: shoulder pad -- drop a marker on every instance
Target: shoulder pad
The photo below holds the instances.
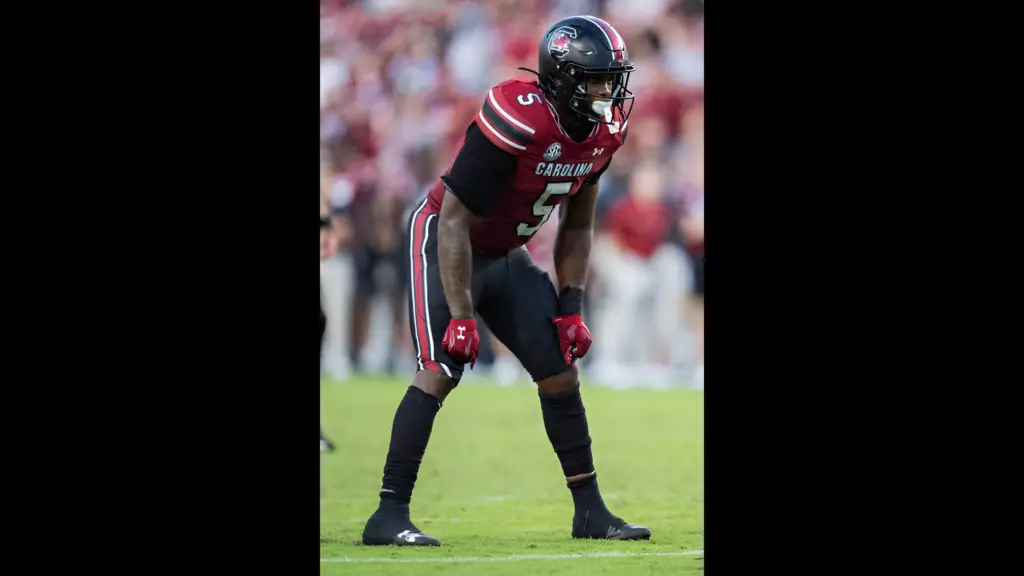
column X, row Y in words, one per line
column 513, row 115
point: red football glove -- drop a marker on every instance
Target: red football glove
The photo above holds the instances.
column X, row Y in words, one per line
column 461, row 341
column 573, row 336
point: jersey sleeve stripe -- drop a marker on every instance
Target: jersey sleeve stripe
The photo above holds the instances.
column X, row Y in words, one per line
column 494, row 102
column 509, row 130
column 491, row 134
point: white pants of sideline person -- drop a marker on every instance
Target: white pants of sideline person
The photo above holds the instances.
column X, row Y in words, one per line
column 337, row 286
column 640, row 333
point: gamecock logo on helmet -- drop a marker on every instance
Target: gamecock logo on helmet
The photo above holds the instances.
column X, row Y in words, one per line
column 559, row 43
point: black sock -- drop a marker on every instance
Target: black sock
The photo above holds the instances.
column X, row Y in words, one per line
column 565, row 420
column 410, row 433
column 586, row 497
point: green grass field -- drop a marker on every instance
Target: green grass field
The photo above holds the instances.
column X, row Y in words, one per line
column 491, row 489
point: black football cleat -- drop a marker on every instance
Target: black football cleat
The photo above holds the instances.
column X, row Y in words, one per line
column 390, row 526
column 609, row 528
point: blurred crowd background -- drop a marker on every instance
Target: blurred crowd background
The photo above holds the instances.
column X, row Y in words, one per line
column 400, row 80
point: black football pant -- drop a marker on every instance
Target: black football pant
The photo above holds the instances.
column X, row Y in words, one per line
column 512, row 295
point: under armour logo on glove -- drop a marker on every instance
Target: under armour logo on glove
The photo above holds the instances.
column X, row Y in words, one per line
column 461, row 341
column 573, row 336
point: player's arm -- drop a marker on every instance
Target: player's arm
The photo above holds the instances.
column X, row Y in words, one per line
column 572, row 244
column 572, row 257
column 476, row 177
column 454, row 256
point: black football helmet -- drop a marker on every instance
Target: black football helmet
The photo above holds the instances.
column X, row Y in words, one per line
column 577, row 47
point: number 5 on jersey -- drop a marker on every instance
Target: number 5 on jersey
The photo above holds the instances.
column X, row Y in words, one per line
column 543, row 210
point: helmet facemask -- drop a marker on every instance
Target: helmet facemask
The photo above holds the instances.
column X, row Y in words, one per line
column 572, row 92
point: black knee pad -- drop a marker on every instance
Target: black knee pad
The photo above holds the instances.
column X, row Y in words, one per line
column 565, row 420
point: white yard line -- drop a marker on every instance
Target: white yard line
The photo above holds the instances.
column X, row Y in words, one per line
column 516, row 558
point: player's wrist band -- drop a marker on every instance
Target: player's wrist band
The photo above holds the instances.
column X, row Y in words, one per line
column 325, row 222
column 570, row 301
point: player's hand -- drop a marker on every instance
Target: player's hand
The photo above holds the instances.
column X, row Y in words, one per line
column 573, row 336
column 461, row 341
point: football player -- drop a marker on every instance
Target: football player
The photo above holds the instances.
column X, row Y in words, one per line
column 535, row 144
